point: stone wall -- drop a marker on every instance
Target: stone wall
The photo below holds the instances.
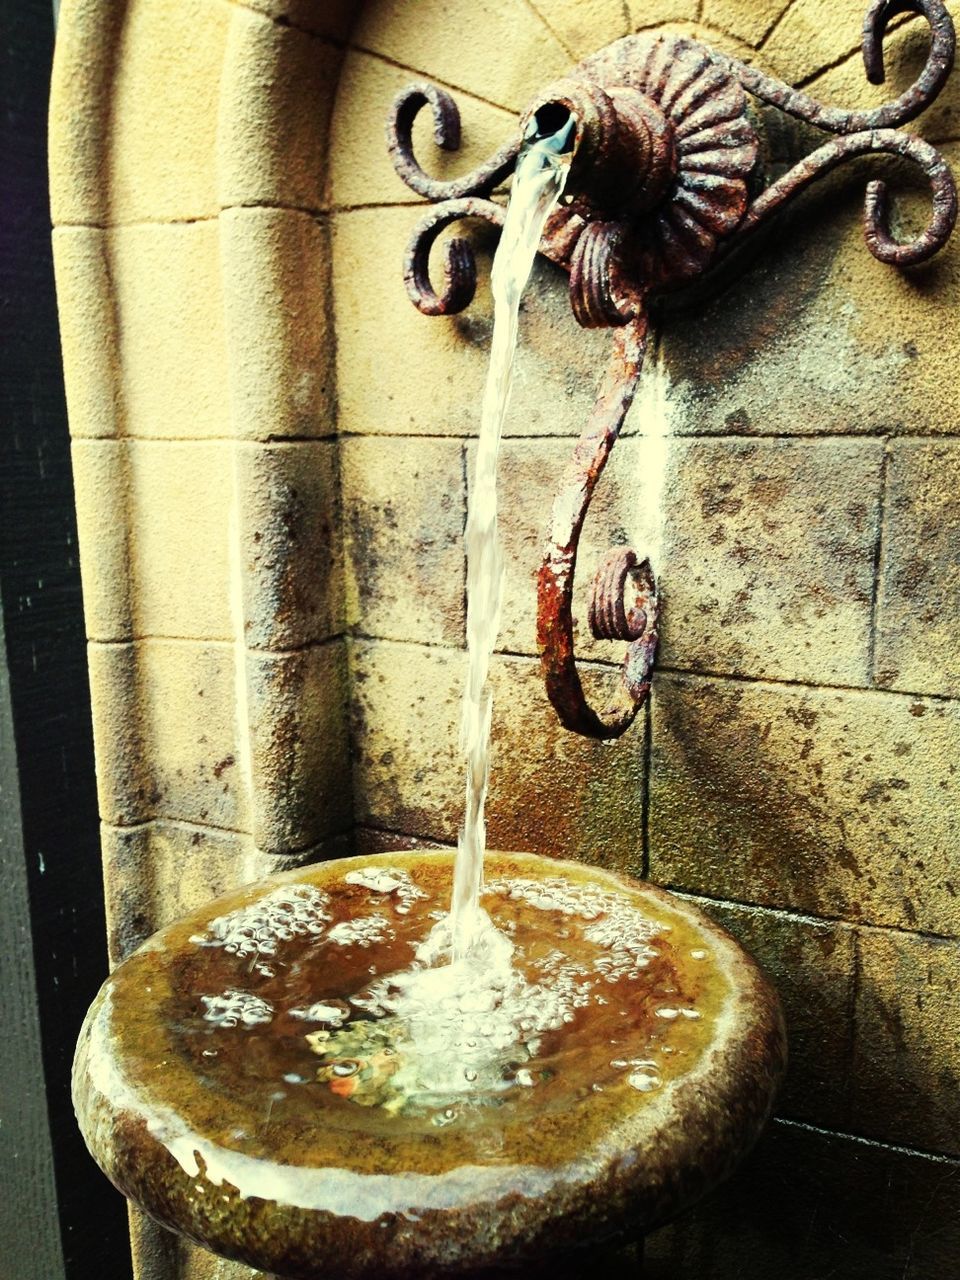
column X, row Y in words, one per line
column 272, row 451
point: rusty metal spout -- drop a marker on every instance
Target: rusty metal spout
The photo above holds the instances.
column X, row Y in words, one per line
column 665, row 179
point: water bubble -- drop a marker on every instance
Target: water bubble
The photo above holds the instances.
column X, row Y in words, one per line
column 470, row 1075
column 668, row 1014
column 645, row 1080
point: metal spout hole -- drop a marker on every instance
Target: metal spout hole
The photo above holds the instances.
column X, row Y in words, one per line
column 553, row 124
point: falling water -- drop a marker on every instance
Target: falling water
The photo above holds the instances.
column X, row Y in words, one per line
column 537, row 185
column 653, row 413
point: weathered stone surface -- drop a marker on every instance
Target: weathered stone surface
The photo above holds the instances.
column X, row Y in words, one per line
column 652, row 13
column 179, row 498
column 817, row 337
column 583, row 26
column 291, row 544
column 747, row 20
column 275, row 267
column 162, row 285
column 810, row 1204
column 453, row 44
column 166, row 732
column 812, row 33
column 277, row 90
column 904, row 54
column 89, row 340
column 159, row 870
column 361, row 171
column 403, row 525
column 333, row 19
column 399, row 372
column 906, row 1070
column 764, row 550
column 918, row 610
column 768, row 557
column 81, row 87
column 101, row 480
column 134, row 107
column 837, row 803
column 811, row 964
column 298, row 745
column 550, row 791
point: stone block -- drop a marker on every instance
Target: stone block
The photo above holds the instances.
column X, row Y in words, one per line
column 403, row 525
column 764, row 550
column 291, row 545
column 166, row 732
column 843, row 84
column 146, row 135
column 171, row 355
column 158, row 871
column 361, row 171
column 402, row 373
column 830, row 802
column 747, row 20
column 814, row 34
column 815, row 336
column 89, row 340
column 918, row 606
column 768, row 559
column 812, row 966
column 808, row 1203
column 158, row 1254
column 332, row 20
column 125, row 786
column 80, row 88
column 209, row 734
column 177, row 522
column 583, row 26
column 278, row 86
column 655, row 13
column 279, row 338
column 455, row 44
column 299, row 746
column 550, row 791
column 906, row 1070
column 101, row 481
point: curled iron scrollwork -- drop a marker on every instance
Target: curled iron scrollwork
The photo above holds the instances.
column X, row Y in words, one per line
column 664, row 182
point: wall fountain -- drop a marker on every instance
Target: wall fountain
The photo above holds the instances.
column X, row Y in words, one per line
column 312, row 1071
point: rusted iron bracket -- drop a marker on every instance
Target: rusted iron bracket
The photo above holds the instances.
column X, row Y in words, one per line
column 665, row 180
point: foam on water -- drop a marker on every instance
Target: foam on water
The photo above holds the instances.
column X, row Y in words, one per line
column 256, row 930
column 235, row 1007
column 444, row 1034
column 448, row 1030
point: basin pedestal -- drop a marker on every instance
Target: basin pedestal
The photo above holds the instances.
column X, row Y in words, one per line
column 253, row 1080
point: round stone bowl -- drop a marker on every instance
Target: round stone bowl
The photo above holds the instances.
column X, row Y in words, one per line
column 236, row 1079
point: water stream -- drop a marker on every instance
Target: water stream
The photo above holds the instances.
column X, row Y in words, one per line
column 537, row 186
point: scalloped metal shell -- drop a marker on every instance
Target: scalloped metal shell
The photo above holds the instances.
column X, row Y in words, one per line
column 715, row 142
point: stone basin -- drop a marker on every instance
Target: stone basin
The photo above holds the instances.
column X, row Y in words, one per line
column 245, row 1079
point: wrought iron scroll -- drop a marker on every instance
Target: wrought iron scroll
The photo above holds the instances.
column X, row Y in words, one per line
column 662, row 186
